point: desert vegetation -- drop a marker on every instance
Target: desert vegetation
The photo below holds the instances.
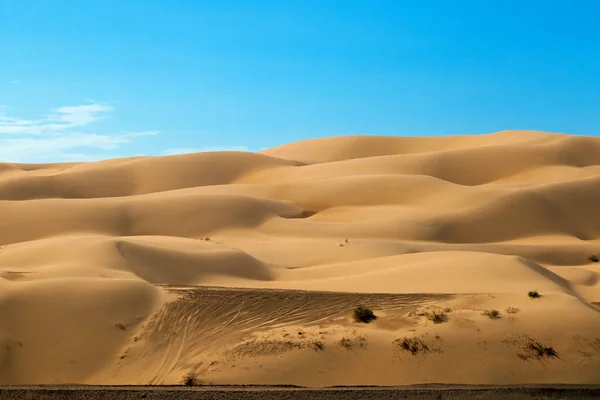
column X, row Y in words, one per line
column 353, row 343
column 437, row 317
column 492, row 314
column 412, row 345
column 363, row 314
column 534, row 349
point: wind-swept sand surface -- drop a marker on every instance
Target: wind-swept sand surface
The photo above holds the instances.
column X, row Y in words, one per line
column 244, row 268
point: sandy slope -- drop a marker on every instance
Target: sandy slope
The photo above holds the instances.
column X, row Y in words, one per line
column 405, row 225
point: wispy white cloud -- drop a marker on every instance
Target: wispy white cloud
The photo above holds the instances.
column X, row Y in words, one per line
column 58, row 137
column 81, row 115
column 60, row 119
column 187, row 150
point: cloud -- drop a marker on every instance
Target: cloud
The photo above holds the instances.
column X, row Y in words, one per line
column 187, row 150
column 81, row 115
column 63, row 118
column 58, row 136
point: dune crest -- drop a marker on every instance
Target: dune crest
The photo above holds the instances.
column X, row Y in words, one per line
column 244, row 267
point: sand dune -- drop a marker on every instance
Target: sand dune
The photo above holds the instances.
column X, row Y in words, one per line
column 97, row 261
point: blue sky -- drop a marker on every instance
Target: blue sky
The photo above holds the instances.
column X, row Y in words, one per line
column 86, row 80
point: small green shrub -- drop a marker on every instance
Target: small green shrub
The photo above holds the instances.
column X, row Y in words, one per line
column 534, row 294
column 363, row 314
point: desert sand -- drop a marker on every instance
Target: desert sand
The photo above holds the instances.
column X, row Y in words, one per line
column 244, row 268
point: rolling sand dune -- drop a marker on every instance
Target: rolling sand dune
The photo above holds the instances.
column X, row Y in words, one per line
column 240, row 267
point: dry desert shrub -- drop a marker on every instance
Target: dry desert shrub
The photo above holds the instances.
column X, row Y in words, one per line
column 493, row 314
column 416, row 345
column 534, row 349
column 353, row 343
column 437, row 317
column 317, row 345
column 534, row 294
column 363, row 314
column 412, row 345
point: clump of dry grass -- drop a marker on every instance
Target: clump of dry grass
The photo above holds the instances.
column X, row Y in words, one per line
column 352, row 343
column 412, row 345
column 511, row 310
column 543, row 351
column 534, row 349
column 363, row 314
column 437, row 317
column 317, row 345
column 493, row 314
